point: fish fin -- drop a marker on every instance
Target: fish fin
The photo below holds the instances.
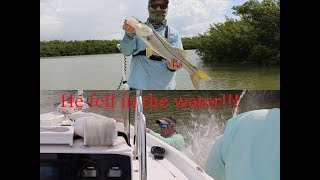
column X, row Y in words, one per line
column 149, row 52
column 182, row 52
column 195, row 77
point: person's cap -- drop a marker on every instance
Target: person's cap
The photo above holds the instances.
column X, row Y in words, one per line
column 167, row 120
column 155, row 0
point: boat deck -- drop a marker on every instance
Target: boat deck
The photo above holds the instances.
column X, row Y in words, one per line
column 157, row 169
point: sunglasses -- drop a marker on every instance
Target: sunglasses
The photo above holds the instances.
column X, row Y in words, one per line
column 155, row 6
column 164, row 125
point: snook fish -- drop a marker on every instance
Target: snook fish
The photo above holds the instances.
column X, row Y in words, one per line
column 156, row 44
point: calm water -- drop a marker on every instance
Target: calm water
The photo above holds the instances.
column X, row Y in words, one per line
column 101, row 72
column 199, row 126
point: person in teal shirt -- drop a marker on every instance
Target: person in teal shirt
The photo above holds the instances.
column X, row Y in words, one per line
column 249, row 148
column 154, row 73
column 168, row 132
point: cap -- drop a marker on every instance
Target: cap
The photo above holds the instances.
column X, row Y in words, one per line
column 154, row 0
column 167, row 120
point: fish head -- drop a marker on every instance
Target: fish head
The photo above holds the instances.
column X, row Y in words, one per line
column 141, row 28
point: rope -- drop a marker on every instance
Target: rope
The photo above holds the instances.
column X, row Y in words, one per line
column 125, row 71
column 125, row 65
column 120, row 84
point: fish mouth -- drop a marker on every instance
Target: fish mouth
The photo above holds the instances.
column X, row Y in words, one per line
column 134, row 22
column 133, row 18
column 139, row 26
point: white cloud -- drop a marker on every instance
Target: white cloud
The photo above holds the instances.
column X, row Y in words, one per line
column 191, row 17
column 103, row 19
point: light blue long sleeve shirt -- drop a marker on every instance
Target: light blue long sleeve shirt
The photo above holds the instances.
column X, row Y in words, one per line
column 249, row 149
column 176, row 140
column 146, row 74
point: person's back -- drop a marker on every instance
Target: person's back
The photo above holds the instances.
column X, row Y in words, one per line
column 249, row 149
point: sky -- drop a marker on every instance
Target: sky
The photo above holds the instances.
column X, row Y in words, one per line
column 103, row 19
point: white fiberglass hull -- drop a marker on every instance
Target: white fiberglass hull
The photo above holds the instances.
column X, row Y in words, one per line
column 175, row 165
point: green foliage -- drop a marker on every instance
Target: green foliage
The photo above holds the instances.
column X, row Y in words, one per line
column 264, row 55
column 71, row 48
column 228, row 41
column 190, row 43
column 87, row 47
column 255, row 37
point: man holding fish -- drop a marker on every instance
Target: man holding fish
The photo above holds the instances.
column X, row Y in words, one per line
column 156, row 50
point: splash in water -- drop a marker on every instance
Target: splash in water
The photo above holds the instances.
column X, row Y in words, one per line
column 201, row 131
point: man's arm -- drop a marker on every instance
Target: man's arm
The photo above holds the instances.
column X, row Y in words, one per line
column 169, row 140
column 128, row 44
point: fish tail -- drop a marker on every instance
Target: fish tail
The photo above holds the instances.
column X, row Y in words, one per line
column 195, row 77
